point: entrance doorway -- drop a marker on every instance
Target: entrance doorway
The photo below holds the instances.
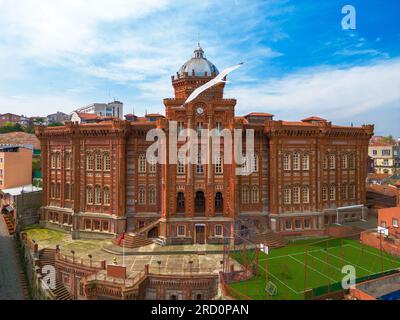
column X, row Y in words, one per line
column 200, row 203
column 200, row 234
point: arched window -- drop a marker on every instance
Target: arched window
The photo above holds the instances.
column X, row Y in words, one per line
column 66, row 191
column 107, row 162
column 97, row 195
column 89, row 195
column 306, row 194
column 53, row 160
column 106, row 192
column 255, row 195
column 332, row 192
column 67, row 160
column 305, row 162
column 296, row 161
column 287, row 197
column 58, row 160
column 344, row 191
column 218, row 201
column 152, row 195
column 152, row 165
column 324, row 193
column 180, row 201
column 89, row 161
column 286, row 162
column 218, row 164
column 98, row 162
column 245, row 194
column 296, row 194
column 142, row 163
column 332, row 161
column 255, row 163
column 344, row 161
column 142, row 196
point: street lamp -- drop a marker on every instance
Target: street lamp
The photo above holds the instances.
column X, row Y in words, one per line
column 159, row 266
column 73, row 256
column 90, row 258
column 191, row 264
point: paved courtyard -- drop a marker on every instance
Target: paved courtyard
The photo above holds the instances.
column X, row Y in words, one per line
column 177, row 263
column 10, row 286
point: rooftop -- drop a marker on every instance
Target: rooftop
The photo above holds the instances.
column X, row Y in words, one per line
column 22, row 189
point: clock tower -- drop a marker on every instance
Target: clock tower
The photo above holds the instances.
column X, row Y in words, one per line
column 198, row 198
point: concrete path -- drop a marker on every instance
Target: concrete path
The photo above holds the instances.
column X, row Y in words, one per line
column 10, row 286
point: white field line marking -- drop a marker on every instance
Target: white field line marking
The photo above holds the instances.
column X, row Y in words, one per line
column 299, row 253
column 350, row 263
column 374, row 254
column 271, row 274
column 329, row 264
column 314, row 269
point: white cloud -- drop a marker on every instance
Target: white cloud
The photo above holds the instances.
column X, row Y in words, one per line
column 337, row 94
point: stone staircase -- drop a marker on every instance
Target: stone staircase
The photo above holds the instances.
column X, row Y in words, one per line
column 133, row 240
column 47, row 257
column 9, row 223
column 148, row 227
column 272, row 239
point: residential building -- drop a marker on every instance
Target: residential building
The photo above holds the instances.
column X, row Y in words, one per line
column 111, row 109
column 58, row 117
column 386, row 156
column 9, row 118
column 15, row 166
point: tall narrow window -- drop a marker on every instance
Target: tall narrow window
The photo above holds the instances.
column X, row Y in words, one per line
column 324, row 193
column 352, row 191
column 181, row 165
column 52, row 190
column 344, row 161
column 296, row 194
column 67, row 160
column 325, row 163
column 332, row 192
column 89, row 161
column 97, row 195
column 181, row 128
column 89, row 195
column 58, row 190
column 296, row 161
column 305, row 162
column 180, row 201
column 142, row 196
column 245, row 194
column 199, row 129
column 152, row 165
column 106, row 191
column 332, row 162
column 255, row 195
column 107, row 162
column 287, row 197
column 218, row 127
column 58, row 160
column 66, row 191
column 245, row 165
column 199, row 166
column 218, row 201
column 344, row 191
column 286, row 162
column 306, row 194
column 53, row 160
column 142, row 163
column 351, row 161
column 218, row 164
column 98, row 162
column 152, row 195
column 255, row 163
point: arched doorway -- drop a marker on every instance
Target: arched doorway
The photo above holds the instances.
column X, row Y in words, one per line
column 219, row 202
column 200, row 203
column 153, row 233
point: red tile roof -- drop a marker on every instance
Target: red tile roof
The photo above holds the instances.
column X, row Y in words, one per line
column 259, row 114
column 385, row 189
column 88, row 116
column 378, row 175
column 379, row 144
column 20, row 138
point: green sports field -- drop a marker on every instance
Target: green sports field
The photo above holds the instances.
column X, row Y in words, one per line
column 324, row 259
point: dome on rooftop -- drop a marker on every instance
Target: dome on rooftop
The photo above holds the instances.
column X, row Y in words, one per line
column 199, row 64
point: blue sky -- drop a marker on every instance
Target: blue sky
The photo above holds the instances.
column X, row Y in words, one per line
column 59, row 55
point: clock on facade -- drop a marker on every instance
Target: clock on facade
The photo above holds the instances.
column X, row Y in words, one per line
column 200, row 110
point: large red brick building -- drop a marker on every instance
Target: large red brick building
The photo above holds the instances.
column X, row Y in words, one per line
column 98, row 182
